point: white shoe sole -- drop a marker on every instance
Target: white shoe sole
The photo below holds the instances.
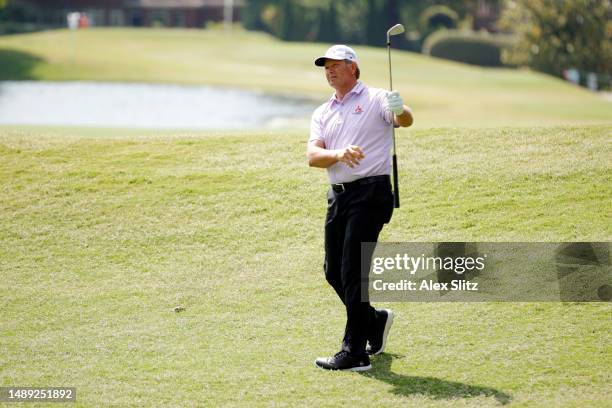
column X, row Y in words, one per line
column 386, row 331
column 364, row 368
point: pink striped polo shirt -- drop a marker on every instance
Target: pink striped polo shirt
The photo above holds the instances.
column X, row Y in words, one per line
column 362, row 118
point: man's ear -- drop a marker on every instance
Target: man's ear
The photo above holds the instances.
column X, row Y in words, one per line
column 353, row 69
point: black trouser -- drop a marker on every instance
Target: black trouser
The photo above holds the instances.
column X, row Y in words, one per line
column 354, row 216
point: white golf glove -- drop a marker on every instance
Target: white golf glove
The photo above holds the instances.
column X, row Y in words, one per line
column 395, row 102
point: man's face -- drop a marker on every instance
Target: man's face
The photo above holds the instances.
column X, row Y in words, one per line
column 339, row 74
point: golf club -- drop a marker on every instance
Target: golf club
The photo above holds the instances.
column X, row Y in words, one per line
column 395, row 30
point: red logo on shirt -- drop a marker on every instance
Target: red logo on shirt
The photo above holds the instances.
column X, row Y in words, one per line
column 358, row 109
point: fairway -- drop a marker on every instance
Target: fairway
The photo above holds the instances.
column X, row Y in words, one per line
column 104, row 232
column 442, row 93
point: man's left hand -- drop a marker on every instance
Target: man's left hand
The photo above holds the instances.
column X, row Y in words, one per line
column 395, row 102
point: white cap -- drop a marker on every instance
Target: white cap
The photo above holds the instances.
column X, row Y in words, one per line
column 338, row 52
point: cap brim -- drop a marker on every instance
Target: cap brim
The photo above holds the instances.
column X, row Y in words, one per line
column 320, row 62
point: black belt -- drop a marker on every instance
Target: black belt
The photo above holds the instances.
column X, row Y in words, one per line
column 342, row 187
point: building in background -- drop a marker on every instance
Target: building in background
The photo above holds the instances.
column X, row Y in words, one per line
column 136, row 13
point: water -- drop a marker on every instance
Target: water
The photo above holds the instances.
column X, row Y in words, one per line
column 150, row 106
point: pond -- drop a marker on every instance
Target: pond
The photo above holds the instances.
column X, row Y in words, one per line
column 148, row 106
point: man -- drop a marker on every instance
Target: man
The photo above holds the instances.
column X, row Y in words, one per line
column 350, row 136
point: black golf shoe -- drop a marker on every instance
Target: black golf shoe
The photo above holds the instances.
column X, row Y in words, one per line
column 345, row 362
column 384, row 320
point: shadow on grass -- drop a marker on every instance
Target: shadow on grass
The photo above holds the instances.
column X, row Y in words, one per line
column 16, row 65
column 429, row 386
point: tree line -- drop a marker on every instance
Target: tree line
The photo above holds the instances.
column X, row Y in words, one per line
column 550, row 36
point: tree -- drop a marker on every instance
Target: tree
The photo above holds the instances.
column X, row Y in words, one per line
column 352, row 20
column 555, row 35
column 391, row 12
column 379, row 16
column 287, row 27
column 251, row 15
column 375, row 23
column 328, row 24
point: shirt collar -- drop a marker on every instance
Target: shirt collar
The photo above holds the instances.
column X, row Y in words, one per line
column 357, row 89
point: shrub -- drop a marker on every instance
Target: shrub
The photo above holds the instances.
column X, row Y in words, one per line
column 436, row 17
column 467, row 46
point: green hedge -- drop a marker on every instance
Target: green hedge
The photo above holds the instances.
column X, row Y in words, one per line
column 468, row 46
column 8, row 27
column 435, row 17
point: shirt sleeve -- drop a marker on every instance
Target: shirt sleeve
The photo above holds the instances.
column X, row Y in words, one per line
column 316, row 127
column 385, row 112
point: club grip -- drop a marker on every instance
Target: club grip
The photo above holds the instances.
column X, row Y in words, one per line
column 396, row 202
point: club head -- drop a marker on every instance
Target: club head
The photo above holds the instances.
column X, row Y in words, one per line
column 395, row 30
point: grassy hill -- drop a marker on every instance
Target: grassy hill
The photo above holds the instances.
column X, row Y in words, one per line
column 103, row 232
column 442, row 93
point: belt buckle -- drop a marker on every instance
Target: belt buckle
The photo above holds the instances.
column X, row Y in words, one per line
column 341, row 185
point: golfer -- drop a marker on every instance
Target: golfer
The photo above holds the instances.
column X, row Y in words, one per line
column 350, row 136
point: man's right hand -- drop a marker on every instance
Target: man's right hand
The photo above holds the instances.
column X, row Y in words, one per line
column 350, row 155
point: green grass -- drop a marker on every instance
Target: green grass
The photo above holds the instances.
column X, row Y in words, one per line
column 103, row 232
column 442, row 93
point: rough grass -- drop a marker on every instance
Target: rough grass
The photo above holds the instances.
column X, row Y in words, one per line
column 102, row 233
column 443, row 93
